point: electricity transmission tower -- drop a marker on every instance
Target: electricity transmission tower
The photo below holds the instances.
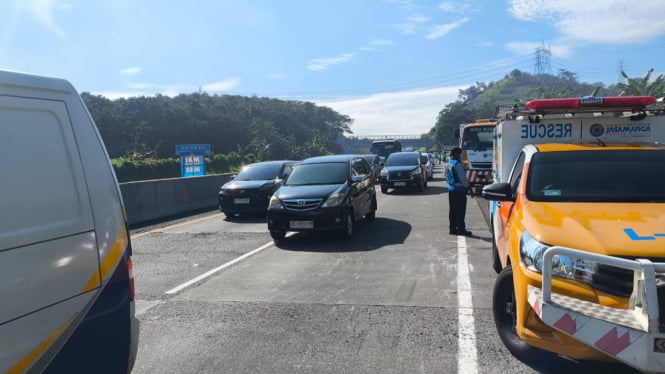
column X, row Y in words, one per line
column 542, row 66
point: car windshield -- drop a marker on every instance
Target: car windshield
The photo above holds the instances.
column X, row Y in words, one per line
column 258, row 172
column 319, row 173
column 402, row 159
column 603, row 176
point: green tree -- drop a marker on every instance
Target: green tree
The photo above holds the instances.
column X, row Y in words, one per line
column 642, row 86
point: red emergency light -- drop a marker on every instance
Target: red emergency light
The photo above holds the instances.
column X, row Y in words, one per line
column 633, row 102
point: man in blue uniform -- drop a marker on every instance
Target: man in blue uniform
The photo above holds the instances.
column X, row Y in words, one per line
column 458, row 185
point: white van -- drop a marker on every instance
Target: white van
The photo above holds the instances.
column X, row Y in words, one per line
column 66, row 283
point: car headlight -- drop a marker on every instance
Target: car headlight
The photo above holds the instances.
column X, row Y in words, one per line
column 275, row 204
column 415, row 172
column 532, row 254
column 335, row 199
column 384, row 172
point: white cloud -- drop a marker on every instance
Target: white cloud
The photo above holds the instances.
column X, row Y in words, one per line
column 376, row 45
column 440, row 31
column 412, row 24
column 224, row 85
column 131, row 70
column 43, row 10
column 395, row 113
column 320, row 64
column 607, row 21
column 526, row 48
column 456, row 6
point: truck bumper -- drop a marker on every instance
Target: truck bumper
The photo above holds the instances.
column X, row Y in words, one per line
column 632, row 336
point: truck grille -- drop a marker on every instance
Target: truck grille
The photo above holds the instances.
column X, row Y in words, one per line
column 614, row 280
column 301, row 204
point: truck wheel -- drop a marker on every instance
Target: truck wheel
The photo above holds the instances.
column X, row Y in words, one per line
column 505, row 318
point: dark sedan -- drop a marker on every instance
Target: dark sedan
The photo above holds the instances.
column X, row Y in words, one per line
column 403, row 170
column 250, row 190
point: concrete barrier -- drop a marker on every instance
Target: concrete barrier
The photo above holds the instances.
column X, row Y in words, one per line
column 156, row 199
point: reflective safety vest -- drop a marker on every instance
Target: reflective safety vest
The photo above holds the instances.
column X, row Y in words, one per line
column 452, row 176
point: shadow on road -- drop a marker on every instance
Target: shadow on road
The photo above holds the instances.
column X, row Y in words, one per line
column 367, row 236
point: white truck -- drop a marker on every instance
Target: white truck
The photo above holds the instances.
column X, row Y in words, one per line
column 578, row 230
column 476, row 142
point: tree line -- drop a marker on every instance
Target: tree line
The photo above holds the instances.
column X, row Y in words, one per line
column 150, row 127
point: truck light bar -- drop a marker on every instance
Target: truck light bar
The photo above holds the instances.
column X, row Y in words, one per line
column 600, row 102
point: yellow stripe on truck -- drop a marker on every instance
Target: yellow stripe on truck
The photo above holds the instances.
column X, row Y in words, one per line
column 109, row 262
column 30, row 358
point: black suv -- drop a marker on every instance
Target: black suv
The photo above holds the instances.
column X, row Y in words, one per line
column 250, row 190
column 403, row 170
column 323, row 193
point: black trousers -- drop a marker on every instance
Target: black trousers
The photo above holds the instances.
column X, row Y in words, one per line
column 457, row 204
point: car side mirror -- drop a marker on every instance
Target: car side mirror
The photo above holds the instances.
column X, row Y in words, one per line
column 357, row 178
column 498, row 192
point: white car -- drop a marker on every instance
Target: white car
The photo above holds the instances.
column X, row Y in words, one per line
column 427, row 164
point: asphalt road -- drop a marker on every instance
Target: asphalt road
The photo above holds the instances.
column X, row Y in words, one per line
column 402, row 296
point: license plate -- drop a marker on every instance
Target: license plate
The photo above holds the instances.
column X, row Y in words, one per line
column 400, row 184
column 302, row 224
column 242, row 200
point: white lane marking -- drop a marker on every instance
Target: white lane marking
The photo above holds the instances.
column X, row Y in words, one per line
column 217, row 269
column 467, row 358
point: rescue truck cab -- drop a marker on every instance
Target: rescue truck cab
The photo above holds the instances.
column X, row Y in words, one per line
column 476, row 142
column 578, row 227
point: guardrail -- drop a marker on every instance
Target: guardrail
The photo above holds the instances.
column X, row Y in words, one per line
column 157, row 199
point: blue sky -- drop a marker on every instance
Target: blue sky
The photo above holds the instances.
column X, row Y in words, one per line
column 391, row 65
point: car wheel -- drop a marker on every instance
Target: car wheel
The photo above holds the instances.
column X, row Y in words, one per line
column 505, row 318
column 384, row 189
column 422, row 186
column 347, row 230
column 229, row 215
column 278, row 235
